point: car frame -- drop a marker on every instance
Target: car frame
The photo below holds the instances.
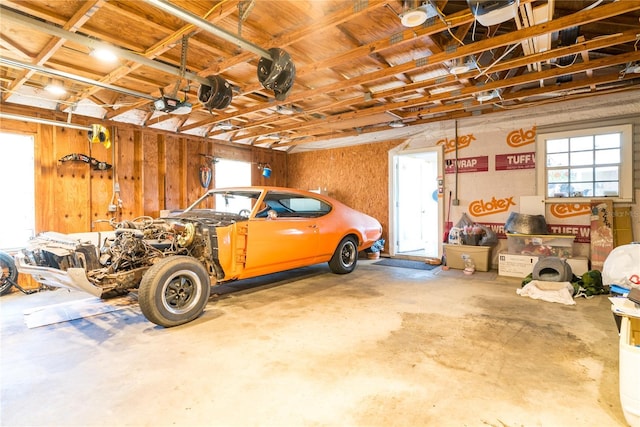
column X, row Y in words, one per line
column 227, row 234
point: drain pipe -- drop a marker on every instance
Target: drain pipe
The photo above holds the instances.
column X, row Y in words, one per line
column 207, row 26
column 9, row 15
column 10, row 116
column 456, row 201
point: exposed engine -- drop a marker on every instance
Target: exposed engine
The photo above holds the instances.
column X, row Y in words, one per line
column 117, row 263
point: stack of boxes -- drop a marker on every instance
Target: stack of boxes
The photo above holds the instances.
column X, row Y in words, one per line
column 524, row 251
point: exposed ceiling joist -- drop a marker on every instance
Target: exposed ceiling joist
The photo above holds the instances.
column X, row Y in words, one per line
column 357, row 67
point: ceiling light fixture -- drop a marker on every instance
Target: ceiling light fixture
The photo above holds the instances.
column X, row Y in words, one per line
column 284, row 110
column 462, row 65
column 413, row 18
column 104, row 54
column 415, row 14
column 493, row 12
column 397, row 124
column 459, row 69
column 55, row 88
column 485, row 95
column 226, row 125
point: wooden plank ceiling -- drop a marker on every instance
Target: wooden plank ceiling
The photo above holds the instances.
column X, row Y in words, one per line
column 358, row 69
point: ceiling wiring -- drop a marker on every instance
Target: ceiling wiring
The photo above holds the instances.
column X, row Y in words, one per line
column 562, row 94
column 345, row 80
column 575, row 58
column 488, row 67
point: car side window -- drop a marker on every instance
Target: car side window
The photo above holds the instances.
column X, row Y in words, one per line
column 295, row 206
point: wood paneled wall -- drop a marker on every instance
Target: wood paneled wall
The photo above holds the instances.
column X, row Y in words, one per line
column 357, row 176
column 157, row 170
column 154, row 170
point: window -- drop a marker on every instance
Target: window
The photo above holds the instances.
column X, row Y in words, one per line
column 293, row 205
column 17, row 218
column 586, row 163
column 232, row 173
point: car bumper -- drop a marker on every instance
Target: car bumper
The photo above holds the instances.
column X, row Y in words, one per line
column 73, row 278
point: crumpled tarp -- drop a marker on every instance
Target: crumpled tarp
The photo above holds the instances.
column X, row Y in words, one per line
column 560, row 292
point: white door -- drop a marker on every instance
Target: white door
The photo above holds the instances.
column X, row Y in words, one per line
column 417, row 209
column 410, row 212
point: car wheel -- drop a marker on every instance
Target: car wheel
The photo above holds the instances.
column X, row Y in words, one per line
column 8, row 272
column 174, row 291
column 345, row 257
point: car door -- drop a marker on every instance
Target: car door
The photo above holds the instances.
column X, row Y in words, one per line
column 284, row 240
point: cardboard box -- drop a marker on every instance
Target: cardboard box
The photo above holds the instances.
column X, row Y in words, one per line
column 481, row 256
column 622, row 225
column 560, row 245
column 515, row 265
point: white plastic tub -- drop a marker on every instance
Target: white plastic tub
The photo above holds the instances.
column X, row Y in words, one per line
column 630, row 369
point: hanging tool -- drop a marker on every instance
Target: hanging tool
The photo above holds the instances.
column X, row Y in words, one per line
column 448, row 225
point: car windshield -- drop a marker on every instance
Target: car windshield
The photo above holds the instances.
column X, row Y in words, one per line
column 242, row 202
column 231, row 201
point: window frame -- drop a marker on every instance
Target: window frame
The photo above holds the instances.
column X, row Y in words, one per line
column 625, row 193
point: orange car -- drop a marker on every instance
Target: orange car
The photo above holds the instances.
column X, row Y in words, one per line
column 227, row 234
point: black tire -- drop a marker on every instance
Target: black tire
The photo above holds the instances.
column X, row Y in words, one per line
column 345, row 257
column 174, row 291
column 8, row 273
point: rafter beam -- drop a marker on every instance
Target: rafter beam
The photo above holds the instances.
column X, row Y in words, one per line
column 469, row 91
column 578, row 18
column 82, row 15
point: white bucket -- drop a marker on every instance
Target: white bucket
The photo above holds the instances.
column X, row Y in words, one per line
column 630, row 369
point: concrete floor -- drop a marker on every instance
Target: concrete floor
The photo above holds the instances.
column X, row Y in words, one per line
column 382, row 346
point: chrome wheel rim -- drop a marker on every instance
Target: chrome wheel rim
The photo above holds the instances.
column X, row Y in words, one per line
column 348, row 254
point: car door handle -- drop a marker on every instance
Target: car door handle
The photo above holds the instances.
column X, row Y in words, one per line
column 312, row 226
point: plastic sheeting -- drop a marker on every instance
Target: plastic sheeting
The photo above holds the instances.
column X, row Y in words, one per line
column 622, row 266
column 525, row 224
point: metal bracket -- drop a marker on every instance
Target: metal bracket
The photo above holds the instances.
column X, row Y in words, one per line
column 422, row 62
